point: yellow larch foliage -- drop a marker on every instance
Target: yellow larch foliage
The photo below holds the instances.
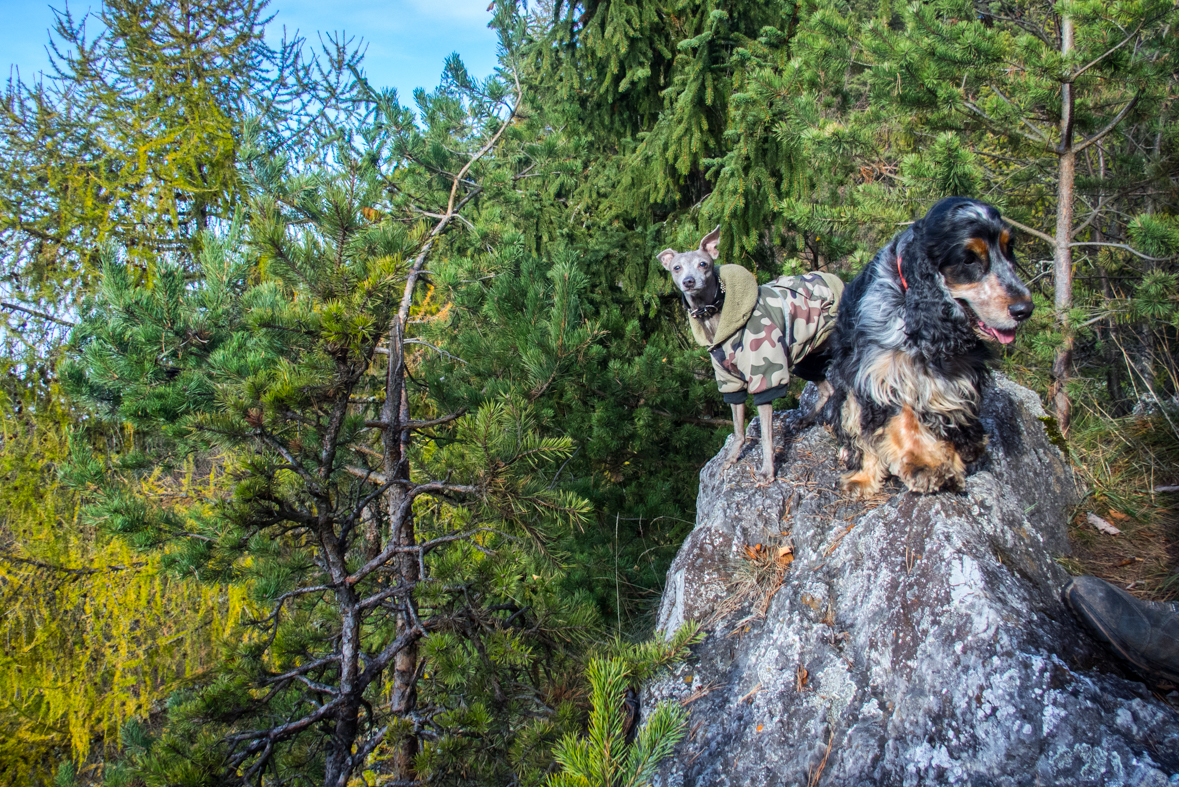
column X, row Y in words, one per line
column 92, row 633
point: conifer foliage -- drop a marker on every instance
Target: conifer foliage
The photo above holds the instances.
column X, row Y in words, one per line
column 133, row 137
column 615, row 751
column 94, row 631
column 286, row 362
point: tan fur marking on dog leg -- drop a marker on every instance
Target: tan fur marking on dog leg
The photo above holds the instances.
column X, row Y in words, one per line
column 911, row 443
column 921, row 460
column 868, row 480
column 850, row 417
column 825, row 391
column 870, row 477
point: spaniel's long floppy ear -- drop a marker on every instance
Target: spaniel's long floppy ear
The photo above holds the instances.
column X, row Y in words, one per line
column 666, row 256
column 710, row 243
column 933, row 319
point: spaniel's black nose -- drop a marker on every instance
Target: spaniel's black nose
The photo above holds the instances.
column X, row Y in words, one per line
column 1021, row 310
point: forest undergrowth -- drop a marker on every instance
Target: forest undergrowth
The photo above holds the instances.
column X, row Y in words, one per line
column 1131, row 467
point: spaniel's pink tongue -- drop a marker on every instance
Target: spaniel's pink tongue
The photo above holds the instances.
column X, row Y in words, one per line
column 1001, row 336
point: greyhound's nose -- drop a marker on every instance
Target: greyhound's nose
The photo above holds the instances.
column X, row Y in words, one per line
column 1021, row 310
column 688, row 282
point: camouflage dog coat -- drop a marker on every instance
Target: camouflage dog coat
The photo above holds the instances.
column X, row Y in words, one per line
column 764, row 331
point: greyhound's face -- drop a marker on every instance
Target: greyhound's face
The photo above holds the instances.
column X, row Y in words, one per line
column 692, row 270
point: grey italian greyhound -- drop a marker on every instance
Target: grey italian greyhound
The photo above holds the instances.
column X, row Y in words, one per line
column 704, row 293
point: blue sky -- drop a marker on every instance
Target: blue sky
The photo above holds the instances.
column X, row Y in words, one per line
column 408, row 40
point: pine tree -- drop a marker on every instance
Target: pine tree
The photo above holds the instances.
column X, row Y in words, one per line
column 615, row 752
column 387, row 570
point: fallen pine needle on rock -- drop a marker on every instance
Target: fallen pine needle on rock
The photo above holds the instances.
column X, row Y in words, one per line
column 701, row 693
column 749, row 696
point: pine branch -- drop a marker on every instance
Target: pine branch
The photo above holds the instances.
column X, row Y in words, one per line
column 35, row 313
column 1124, row 247
column 1108, row 52
column 421, row 549
column 377, row 664
column 304, row 669
column 1100, row 135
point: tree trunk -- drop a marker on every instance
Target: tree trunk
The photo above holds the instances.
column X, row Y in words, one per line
column 395, row 413
column 338, row 767
column 1063, row 258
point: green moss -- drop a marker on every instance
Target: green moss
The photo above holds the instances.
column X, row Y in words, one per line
column 1055, row 436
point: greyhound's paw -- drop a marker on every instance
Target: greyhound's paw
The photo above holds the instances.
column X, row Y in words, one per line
column 734, row 454
column 763, row 477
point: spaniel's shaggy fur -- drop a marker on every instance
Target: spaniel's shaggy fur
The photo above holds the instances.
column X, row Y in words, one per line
column 909, row 358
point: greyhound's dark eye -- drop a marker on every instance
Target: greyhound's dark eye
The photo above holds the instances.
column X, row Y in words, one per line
column 676, row 268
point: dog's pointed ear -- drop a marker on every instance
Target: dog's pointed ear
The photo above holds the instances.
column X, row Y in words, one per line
column 666, row 256
column 710, row 243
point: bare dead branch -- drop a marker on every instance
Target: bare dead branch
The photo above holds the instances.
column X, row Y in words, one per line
column 420, row 424
column 1051, row 241
column 1123, row 247
column 303, row 670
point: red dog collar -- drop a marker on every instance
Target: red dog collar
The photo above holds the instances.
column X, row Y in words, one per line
column 904, row 283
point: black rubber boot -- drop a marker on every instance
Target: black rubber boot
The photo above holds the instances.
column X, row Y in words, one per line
column 1144, row 633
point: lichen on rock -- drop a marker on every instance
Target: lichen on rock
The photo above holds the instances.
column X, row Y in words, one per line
column 914, row 639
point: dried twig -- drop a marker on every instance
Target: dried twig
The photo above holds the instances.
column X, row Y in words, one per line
column 751, row 693
column 706, row 690
column 812, row 779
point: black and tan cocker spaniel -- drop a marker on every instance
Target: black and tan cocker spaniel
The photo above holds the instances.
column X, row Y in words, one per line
column 909, row 353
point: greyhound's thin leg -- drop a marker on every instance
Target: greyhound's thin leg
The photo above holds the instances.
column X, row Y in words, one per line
column 738, row 436
column 765, row 413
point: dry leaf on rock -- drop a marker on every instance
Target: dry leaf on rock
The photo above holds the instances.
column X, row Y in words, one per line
column 1102, row 525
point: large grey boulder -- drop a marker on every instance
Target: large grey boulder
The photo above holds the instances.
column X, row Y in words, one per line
column 915, row 639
